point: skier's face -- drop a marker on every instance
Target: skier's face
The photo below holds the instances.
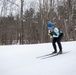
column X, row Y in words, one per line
column 49, row 28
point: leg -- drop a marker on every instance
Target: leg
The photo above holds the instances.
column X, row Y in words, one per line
column 59, row 45
column 59, row 42
column 54, row 44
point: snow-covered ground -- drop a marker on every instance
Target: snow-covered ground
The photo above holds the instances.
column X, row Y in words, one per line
column 22, row 60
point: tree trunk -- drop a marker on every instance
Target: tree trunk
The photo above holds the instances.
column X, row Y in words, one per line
column 21, row 32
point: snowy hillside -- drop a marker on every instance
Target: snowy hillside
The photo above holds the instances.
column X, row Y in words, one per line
column 22, row 60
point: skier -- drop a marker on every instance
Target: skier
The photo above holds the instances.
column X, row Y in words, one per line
column 56, row 35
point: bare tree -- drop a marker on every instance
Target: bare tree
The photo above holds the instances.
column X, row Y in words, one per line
column 21, row 32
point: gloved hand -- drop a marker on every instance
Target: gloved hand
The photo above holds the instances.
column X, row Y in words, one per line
column 49, row 34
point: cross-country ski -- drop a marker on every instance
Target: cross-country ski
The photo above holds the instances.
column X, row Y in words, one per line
column 51, row 55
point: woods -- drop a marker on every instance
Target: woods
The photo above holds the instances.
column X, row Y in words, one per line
column 21, row 23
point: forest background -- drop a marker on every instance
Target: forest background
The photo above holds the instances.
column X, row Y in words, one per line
column 23, row 22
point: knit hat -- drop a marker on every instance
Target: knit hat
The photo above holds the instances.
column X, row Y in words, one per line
column 50, row 24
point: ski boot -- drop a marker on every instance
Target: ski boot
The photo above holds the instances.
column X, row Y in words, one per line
column 54, row 52
column 60, row 52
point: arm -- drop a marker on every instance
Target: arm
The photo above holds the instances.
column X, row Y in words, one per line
column 49, row 34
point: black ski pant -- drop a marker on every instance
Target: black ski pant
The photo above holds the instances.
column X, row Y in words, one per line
column 58, row 40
